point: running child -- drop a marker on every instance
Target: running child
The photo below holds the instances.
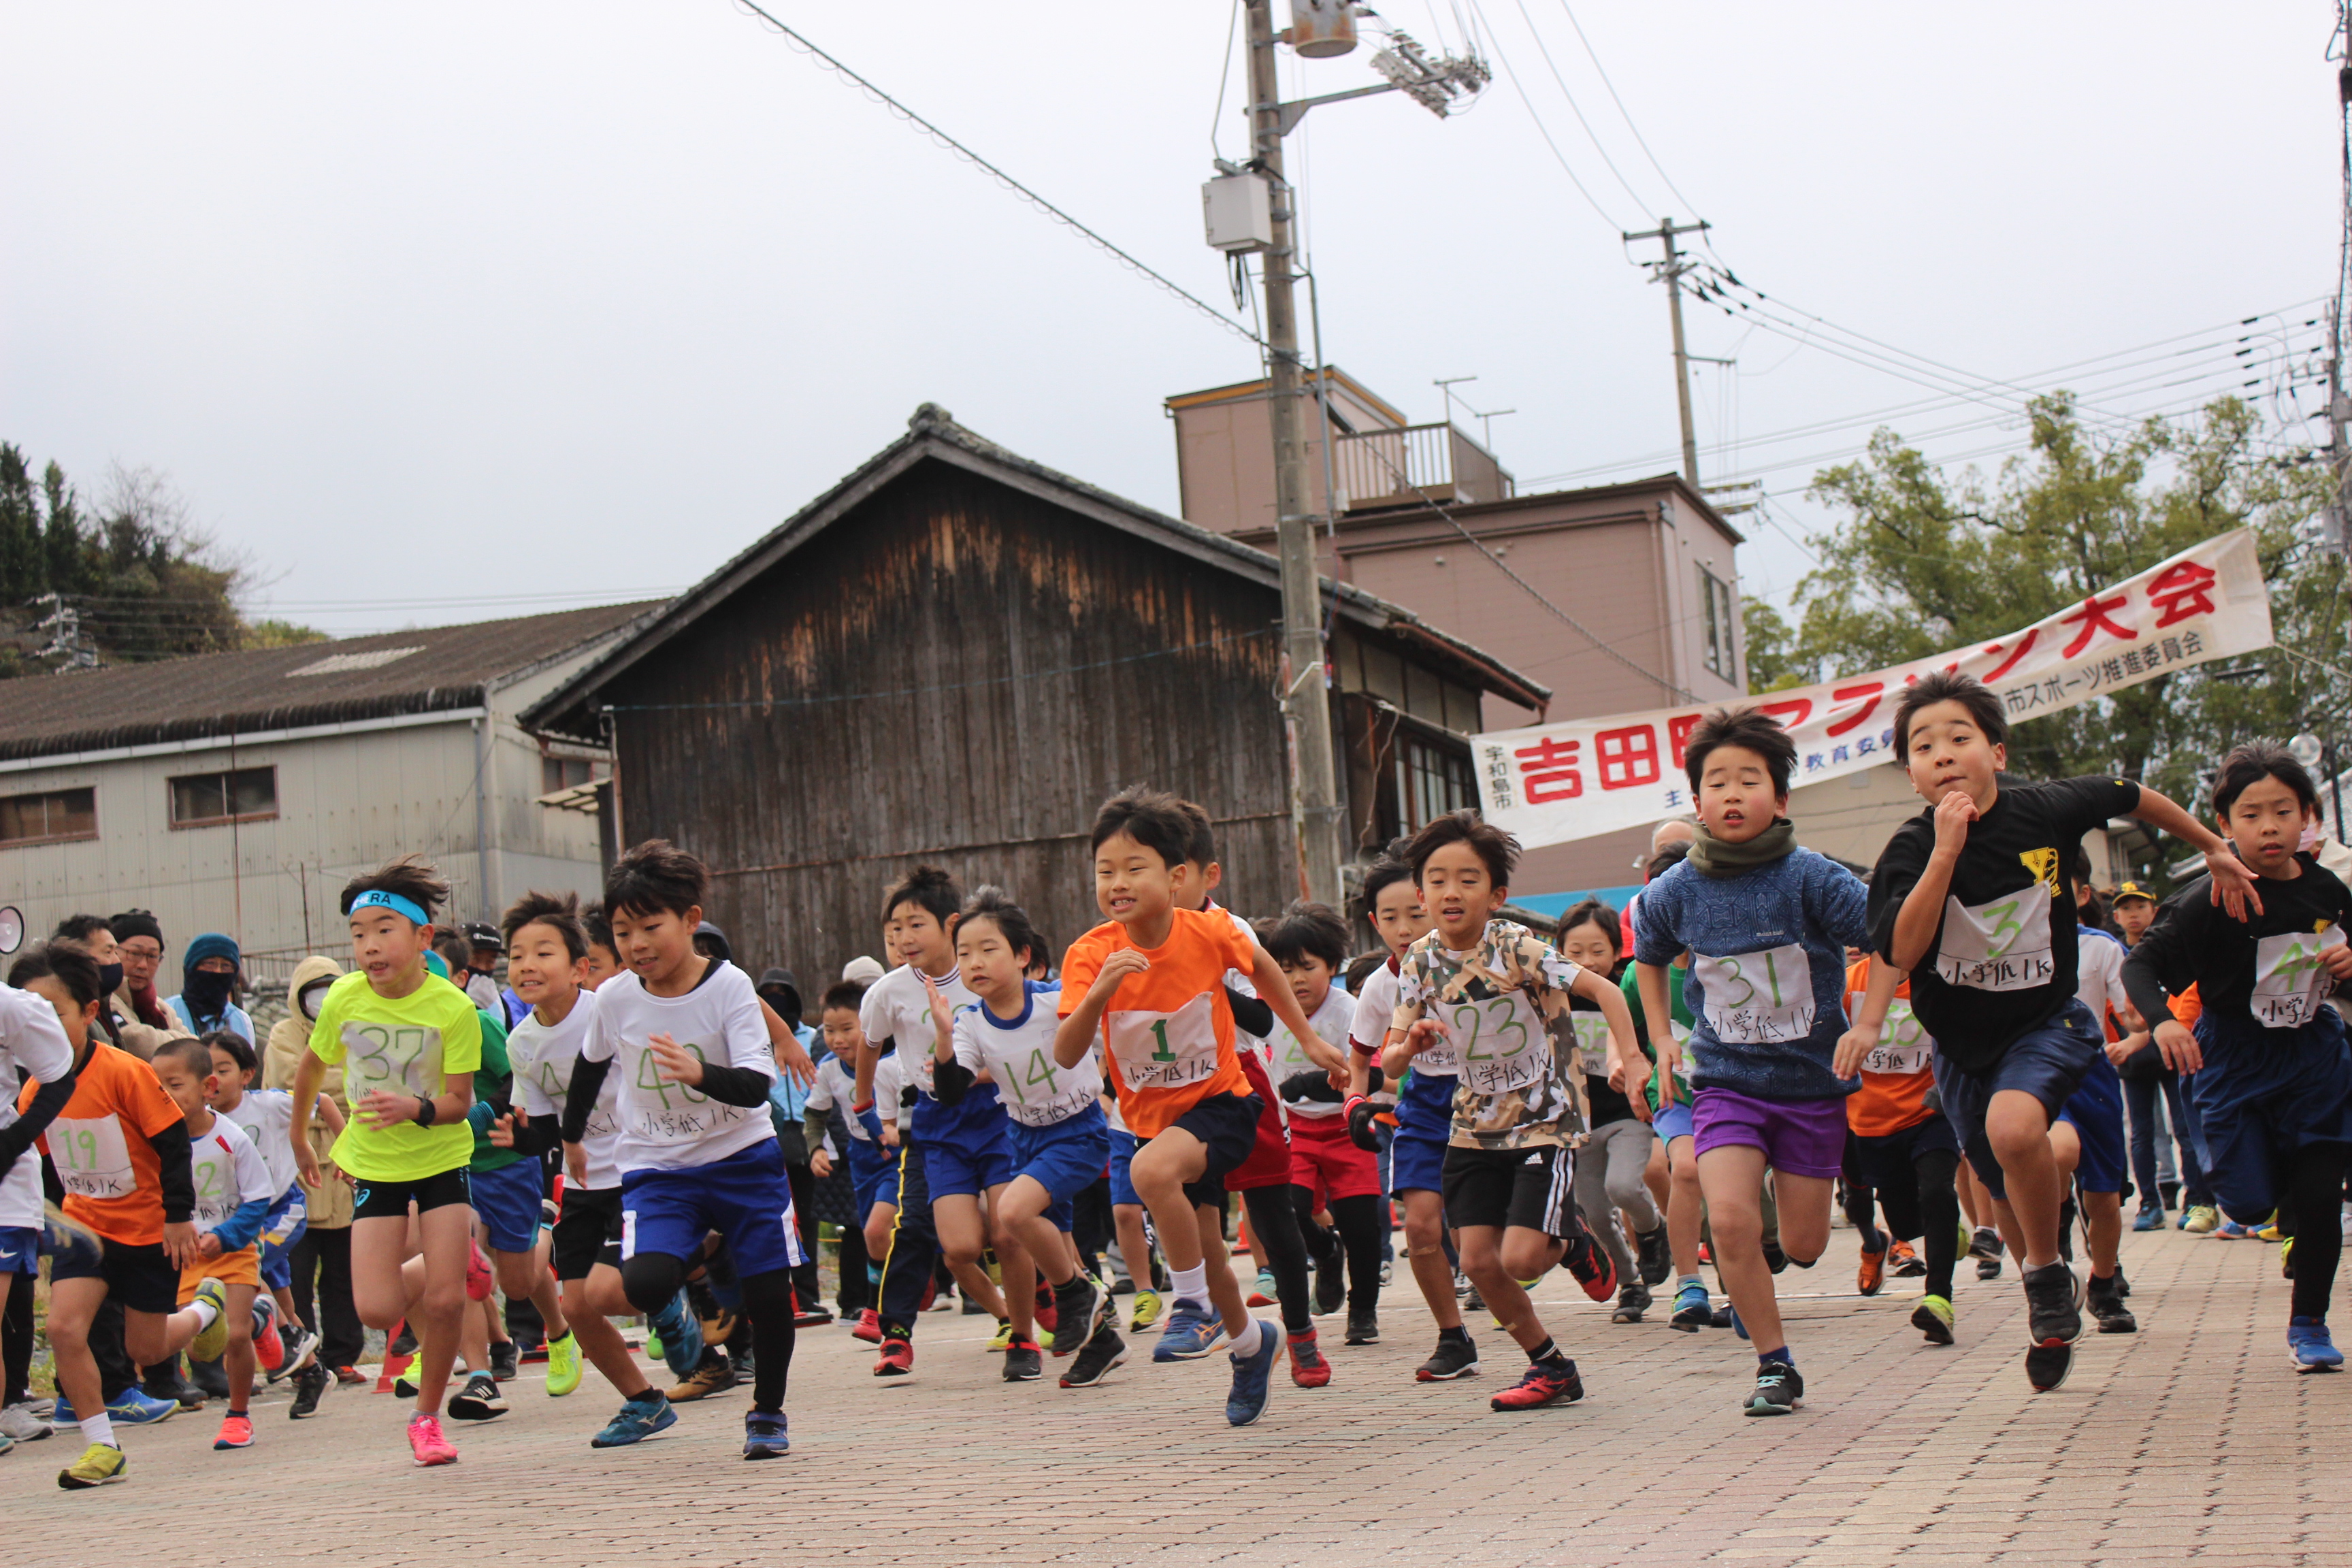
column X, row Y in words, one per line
column 409, row 1042
column 120, row 1147
column 35, row 1054
column 2087, row 1140
column 685, row 1038
column 1669, row 1098
column 1424, row 1104
column 1973, row 898
column 2267, row 1063
column 1151, row 982
column 267, row 1117
column 873, row 1152
column 1058, row 1141
column 234, row 1192
column 1767, row 925
column 1905, row 1150
column 1500, row 995
column 1612, row 1164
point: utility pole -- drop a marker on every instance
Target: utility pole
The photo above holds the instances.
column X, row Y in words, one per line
column 1671, row 271
column 1309, row 704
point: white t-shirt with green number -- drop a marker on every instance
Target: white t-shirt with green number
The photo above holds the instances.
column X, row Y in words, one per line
column 543, row 1057
column 670, row 1126
column 1035, row 1089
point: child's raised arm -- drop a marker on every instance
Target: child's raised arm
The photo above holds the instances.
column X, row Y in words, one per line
column 2234, row 885
column 1651, row 979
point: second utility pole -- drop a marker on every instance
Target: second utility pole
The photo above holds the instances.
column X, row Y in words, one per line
column 1671, row 271
column 1302, row 611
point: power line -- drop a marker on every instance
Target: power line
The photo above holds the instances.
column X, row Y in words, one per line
column 1573, row 106
column 1543, row 131
column 950, row 143
column 1688, row 205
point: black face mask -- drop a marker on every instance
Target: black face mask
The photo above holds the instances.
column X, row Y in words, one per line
column 109, row 979
column 208, row 995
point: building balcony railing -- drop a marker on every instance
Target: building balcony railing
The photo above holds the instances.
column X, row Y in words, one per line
column 1411, row 465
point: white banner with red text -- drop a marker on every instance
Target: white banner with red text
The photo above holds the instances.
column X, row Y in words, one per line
column 1551, row 783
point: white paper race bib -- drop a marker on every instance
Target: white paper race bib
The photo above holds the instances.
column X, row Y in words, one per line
column 1442, row 1059
column 91, row 1156
column 404, row 1060
column 1592, row 1041
column 1501, row 1041
column 1166, row 1050
column 1754, row 997
column 214, row 1170
column 2003, row 945
column 602, row 1124
column 1905, row 1050
column 2290, row 982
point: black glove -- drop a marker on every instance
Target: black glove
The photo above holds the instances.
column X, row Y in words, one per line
column 1359, row 1126
column 1313, row 1085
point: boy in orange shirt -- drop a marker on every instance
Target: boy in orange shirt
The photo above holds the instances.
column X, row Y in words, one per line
column 1169, row 1041
column 1904, row 1148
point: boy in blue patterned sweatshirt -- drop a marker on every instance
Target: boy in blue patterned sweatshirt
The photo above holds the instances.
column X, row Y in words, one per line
column 1767, row 925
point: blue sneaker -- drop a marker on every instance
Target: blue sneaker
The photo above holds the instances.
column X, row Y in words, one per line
column 2149, row 1220
column 61, row 1413
column 139, row 1409
column 1252, row 1376
column 639, row 1419
column 2231, row 1230
column 2308, row 1346
column 1692, row 1309
column 1736, row 1326
column 681, row 1334
column 1191, row 1332
column 764, row 1436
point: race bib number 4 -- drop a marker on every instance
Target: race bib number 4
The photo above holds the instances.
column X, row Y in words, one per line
column 91, row 1156
column 1754, row 997
column 2003, row 945
column 2290, row 981
column 1905, row 1050
column 1501, row 1042
column 1592, row 1041
column 1166, row 1050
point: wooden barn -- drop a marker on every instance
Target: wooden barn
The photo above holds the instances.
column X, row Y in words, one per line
column 952, row 657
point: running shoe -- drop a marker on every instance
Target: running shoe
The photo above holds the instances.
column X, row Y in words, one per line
column 1461, row 1286
column 1308, row 1369
column 1453, row 1357
column 506, row 1360
column 1872, row 1272
column 1654, row 1259
column 765, row 1435
column 1191, row 1332
column 1474, row 1302
column 2105, row 1300
column 19, row 1425
column 1587, row 1261
column 896, row 1360
column 1264, row 1291
column 404, row 1343
column 1984, row 1243
column 1330, row 1284
column 1088, row 1312
column 811, row 1318
column 309, row 1386
column 1632, row 1301
column 1253, row 1376
column 867, row 1326
column 2231, row 1230
column 426, row 1442
column 235, row 1431
column 1904, row 1262
column 1043, row 1313
column 2270, row 1231
column 2053, row 1314
column 1692, row 1309
column 1147, row 1308
column 564, row 1365
column 1933, row 1318
column 480, row 1400
column 2309, row 1347
column 1002, row 1340
column 349, row 1376
column 479, row 1277
column 637, row 1420
column 1774, row 1258
column 1096, row 1358
column 1540, row 1385
column 1780, row 1389
column 1705, row 1253
column 2149, row 1217
column 212, row 1338
column 681, row 1334
column 2200, row 1219
column 1364, row 1326
column 269, row 1344
column 301, row 1349
column 1023, row 1360
column 100, row 1465
column 404, row 1388
column 2287, row 1258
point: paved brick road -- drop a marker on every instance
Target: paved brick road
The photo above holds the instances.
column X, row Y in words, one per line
column 2190, row 1441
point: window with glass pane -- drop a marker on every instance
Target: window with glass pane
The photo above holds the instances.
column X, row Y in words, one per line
column 563, row 772
column 1720, row 652
column 47, row 816
column 1431, row 782
column 239, row 794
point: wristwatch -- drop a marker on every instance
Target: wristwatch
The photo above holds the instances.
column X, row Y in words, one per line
column 425, row 1110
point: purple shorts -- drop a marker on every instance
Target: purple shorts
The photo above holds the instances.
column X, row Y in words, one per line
column 1799, row 1137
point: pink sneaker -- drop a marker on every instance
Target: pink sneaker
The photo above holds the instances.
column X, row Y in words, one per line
column 425, row 1441
column 268, row 1348
column 478, row 1277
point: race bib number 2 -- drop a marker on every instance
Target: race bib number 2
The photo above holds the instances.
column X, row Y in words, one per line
column 2290, row 981
column 2001, row 945
column 1166, row 1050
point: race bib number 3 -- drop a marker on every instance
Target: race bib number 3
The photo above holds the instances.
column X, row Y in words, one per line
column 91, row 1156
column 1166, row 1050
column 1905, row 1050
column 2003, row 945
column 1501, row 1041
column 1755, row 997
column 2290, row 982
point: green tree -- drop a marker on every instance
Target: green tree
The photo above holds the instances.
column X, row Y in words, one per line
column 1921, row 561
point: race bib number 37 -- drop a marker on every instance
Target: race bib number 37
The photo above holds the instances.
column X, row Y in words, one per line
column 1166, row 1050
column 2002, row 946
column 2290, row 982
column 1755, row 997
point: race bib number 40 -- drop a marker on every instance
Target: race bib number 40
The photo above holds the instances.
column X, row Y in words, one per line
column 1907, row 1047
column 1501, row 1042
column 2003, row 945
column 1755, row 997
column 91, row 1156
column 2290, row 981
column 1166, row 1050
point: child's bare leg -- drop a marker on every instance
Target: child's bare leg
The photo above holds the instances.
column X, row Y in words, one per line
column 1732, row 1176
column 1425, row 1245
column 238, row 1360
column 1482, row 1259
column 962, row 1234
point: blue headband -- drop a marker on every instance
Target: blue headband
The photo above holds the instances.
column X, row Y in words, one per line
column 377, row 898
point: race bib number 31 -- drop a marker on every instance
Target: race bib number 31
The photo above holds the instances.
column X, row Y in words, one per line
column 2290, row 982
column 1754, row 997
column 1166, row 1050
column 2003, row 945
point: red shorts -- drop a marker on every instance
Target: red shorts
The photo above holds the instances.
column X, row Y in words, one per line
column 1269, row 1163
column 1326, row 1162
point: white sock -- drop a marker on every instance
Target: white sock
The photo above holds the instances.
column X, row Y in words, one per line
column 1245, row 1344
column 206, row 1313
column 100, row 1429
column 1191, row 1284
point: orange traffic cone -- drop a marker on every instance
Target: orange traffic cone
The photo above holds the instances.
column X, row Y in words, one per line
column 394, row 1365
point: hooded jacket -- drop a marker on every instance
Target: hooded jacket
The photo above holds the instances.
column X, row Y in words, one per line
column 290, row 1037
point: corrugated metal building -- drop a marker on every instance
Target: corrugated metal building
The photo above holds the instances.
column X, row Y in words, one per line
column 954, row 655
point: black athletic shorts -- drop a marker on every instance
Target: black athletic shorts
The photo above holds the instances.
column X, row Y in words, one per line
column 1529, row 1188
column 140, row 1277
column 390, row 1200
column 588, row 1231
column 1227, row 1124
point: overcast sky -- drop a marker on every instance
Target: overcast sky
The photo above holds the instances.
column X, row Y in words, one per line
column 423, row 305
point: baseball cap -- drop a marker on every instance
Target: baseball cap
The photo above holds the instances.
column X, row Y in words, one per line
column 481, row 933
column 2131, row 890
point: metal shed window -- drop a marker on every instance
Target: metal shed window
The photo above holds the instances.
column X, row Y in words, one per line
column 1431, row 782
column 48, row 816
column 242, row 795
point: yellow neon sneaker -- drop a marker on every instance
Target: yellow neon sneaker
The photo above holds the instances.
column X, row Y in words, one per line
column 99, row 1464
column 1147, row 1308
column 563, row 1366
column 211, row 1340
column 1004, row 1339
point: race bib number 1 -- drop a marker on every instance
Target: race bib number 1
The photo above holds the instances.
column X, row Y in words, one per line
column 1166, row 1050
column 2290, row 982
column 2002, row 946
column 1754, row 997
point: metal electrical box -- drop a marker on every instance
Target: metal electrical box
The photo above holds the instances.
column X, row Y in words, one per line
column 1238, row 212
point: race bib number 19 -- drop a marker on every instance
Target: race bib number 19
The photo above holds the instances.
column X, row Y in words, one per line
column 1166, row 1050
column 2002, row 946
column 1754, row 997
column 91, row 1156
column 2290, row 982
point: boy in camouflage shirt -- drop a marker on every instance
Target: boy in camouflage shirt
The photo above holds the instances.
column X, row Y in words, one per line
column 1498, row 995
